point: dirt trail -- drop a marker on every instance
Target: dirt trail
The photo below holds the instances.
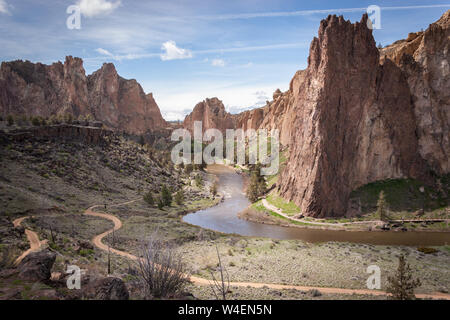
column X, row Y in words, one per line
column 97, row 240
column 33, row 239
column 277, row 210
column 36, row 244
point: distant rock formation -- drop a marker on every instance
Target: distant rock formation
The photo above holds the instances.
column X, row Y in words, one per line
column 212, row 114
column 42, row 90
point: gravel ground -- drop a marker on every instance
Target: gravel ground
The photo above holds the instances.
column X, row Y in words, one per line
column 339, row 265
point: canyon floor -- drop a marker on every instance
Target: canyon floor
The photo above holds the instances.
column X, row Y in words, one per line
column 53, row 183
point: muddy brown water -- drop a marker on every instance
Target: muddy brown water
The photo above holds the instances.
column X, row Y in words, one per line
column 223, row 218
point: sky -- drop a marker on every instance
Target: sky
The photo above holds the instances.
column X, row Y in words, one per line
column 240, row 51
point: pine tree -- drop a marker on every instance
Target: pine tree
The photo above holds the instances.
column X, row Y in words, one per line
column 402, row 284
column 160, row 203
column 257, row 186
column 381, row 206
column 179, row 197
column 148, row 197
column 166, row 196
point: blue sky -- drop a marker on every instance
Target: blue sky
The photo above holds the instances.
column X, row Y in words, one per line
column 186, row 51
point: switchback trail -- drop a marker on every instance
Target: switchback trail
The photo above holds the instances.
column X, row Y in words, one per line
column 36, row 244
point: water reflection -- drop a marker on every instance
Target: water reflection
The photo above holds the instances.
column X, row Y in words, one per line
column 223, row 218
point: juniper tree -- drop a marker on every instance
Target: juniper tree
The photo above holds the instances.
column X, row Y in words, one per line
column 381, row 206
column 257, row 186
column 166, row 196
column 148, row 197
column 402, row 284
column 179, row 197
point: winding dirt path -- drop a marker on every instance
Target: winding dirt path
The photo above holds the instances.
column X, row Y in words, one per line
column 36, row 244
column 97, row 240
column 33, row 239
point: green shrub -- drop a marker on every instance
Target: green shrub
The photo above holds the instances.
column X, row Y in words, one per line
column 160, row 204
column 10, row 120
column 166, row 196
column 427, row 250
column 199, row 181
column 35, row 121
column 86, row 252
column 179, row 197
column 148, row 197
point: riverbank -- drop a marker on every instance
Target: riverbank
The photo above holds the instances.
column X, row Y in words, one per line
column 265, row 213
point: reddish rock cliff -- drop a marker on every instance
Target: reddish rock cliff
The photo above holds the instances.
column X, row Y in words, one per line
column 212, row 114
column 424, row 59
column 121, row 103
column 38, row 89
column 354, row 122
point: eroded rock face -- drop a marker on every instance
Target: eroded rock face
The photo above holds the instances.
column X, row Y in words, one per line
column 424, row 60
column 212, row 114
column 37, row 89
column 121, row 103
column 354, row 121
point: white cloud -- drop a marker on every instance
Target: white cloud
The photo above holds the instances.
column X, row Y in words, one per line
column 104, row 52
column 4, row 7
column 92, row 8
column 172, row 52
column 218, row 63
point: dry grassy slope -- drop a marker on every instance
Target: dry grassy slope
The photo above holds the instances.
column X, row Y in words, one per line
column 42, row 173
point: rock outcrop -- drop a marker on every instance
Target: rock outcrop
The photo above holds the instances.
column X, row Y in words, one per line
column 212, row 114
column 107, row 288
column 424, row 60
column 355, row 122
column 37, row 266
column 41, row 90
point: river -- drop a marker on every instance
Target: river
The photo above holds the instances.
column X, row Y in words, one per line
column 223, row 218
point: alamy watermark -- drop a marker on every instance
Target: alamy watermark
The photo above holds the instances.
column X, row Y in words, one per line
column 374, row 14
column 241, row 147
column 74, row 19
column 374, row 280
column 74, row 280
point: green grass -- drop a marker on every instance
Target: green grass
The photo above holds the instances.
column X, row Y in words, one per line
column 271, row 180
column 260, row 207
column 403, row 196
column 286, row 207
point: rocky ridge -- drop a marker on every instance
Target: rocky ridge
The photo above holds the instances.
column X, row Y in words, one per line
column 33, row 89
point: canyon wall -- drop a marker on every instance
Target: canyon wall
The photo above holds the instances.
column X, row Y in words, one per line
column 356, row 115
column 424, row 60
column 45, row 90
column 360, row 118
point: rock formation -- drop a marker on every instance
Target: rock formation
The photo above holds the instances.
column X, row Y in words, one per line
column 212, row 114
column 356, row 120
column 37, row 266
column 38, row 89
column 424, row 60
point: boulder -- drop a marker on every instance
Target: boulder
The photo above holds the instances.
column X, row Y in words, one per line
column 37, row 266
column 109, row 288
